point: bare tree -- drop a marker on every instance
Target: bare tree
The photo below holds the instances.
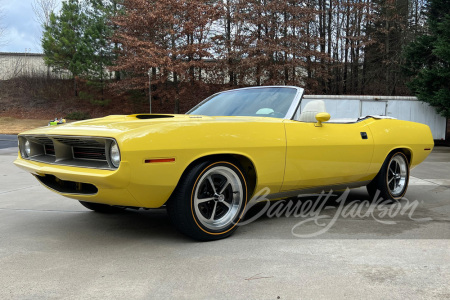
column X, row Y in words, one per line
column 43, row 9
column 2, row 27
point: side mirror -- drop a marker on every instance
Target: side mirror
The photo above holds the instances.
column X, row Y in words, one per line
column 321, row 117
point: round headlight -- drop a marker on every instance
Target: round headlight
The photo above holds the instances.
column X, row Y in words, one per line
column 114, row 154
column 27, row 148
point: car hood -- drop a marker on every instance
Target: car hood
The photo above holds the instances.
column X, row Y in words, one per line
column 118, row 124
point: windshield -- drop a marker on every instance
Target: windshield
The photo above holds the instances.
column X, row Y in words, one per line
column 254, row 102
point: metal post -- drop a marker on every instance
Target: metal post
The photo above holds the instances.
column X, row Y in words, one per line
column 150, row 88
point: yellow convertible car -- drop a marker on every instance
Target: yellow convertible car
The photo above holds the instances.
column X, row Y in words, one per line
column 206, row 165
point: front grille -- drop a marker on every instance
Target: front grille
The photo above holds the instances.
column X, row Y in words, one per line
column 81, row 142
column 87, row 152
column 49, row 149
column 40, row 140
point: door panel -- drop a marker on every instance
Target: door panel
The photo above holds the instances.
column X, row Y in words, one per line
column 327, row 155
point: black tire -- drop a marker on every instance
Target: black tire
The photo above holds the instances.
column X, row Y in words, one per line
column 209, row 200
column 101, row 208
column 393, row 178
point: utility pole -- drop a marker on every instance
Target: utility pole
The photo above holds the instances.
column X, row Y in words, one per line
column 150, row 88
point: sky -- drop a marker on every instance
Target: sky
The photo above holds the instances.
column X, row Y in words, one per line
column 22, row 31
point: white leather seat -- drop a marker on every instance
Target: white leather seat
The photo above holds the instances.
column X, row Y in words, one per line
column 311, row 109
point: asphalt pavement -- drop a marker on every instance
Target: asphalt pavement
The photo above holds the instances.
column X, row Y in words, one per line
column 8, row 141
column 53, row 248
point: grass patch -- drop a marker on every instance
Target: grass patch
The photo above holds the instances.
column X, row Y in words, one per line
column 10, row 125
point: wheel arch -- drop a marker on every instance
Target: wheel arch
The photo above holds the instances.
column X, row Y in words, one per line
column 405, row 150
column 245, row 162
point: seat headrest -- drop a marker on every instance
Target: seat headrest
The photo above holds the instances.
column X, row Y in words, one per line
column 311, row 109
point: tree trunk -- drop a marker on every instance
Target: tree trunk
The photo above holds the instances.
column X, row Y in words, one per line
column 347, row 31
column 177, row 94
column 75, row 86
column 228, row 43
column 329, row 63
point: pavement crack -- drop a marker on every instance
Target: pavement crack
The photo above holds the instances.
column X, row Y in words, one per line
column 24, row 188
column 254, row 277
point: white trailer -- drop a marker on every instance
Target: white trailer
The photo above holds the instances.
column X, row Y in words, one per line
column 403, row 108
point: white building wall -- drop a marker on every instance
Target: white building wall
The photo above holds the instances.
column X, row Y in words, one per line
column 26, row 64
column 402, row 108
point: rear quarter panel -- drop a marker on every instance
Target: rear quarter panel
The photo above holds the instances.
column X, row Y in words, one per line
column 390, row 134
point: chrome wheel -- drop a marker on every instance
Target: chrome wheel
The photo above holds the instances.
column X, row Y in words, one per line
column 392, row 180
column 218, row 197
column 209, row 200
column 397, row 175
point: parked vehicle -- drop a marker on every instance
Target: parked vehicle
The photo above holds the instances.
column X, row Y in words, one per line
column 206, row 165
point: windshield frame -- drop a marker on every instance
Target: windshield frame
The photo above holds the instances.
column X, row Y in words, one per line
column 290, row 114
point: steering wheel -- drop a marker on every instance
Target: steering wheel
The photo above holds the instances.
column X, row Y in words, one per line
column 276, row 114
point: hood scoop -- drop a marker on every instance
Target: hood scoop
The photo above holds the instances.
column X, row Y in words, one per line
column 152, row 116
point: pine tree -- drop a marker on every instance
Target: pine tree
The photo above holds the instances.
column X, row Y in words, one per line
column 63, row 42
column 97, row 34
column 77, row 39
column 428, row 59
